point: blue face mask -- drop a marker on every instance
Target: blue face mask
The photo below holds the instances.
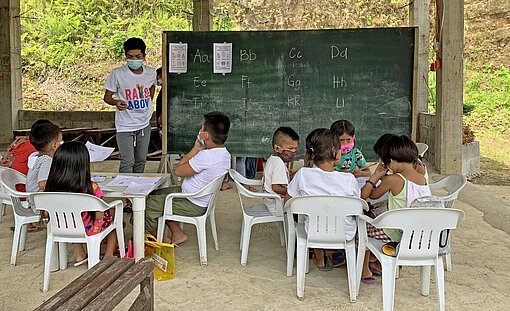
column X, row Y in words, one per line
column 134, row 63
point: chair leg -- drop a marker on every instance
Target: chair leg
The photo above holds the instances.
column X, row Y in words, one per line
column 350, row 252
column 440, row 283
column 246, row 240
column 161, row 228
column 23, row 237
column 93, row 251
column 2, row 211
column 47, row 263
column 388, row 283
column 62, row 255
column 15, row 243
column 120, row 240
column 242, row 234
column 448, row 259
column 302, row 258
column 212, row 219
column 202, row 242
column 291, row 249
column 425, row 280
column 282, row 233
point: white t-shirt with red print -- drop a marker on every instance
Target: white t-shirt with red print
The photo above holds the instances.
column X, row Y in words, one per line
column 135, row 90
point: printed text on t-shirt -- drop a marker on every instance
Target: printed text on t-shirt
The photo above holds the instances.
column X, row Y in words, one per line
column 138, row 98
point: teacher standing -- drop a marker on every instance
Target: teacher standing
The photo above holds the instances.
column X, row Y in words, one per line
column 130, row 88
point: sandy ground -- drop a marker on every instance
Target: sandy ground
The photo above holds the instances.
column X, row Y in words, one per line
column 478, row 280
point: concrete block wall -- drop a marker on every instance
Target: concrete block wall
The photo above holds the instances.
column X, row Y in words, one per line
column 69, row 119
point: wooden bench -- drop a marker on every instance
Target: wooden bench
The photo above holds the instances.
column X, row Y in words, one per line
column 105, row 285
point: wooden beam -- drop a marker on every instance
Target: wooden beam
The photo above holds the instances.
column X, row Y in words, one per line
column 10, row 68
column 419, row 17
column 202, row 18
column 449, row 86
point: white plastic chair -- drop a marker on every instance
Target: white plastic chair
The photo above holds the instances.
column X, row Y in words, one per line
column 453, row 184
column 326, row 229
column 23, row 214
column 65, row 225
column 257, row 213
column 419, row 246
column 213, row 188
column 422, row 148
column 5, row 199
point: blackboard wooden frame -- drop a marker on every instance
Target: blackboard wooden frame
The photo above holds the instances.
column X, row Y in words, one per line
column 167, row 105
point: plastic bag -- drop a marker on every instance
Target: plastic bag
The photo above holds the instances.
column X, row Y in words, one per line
column 163, row 256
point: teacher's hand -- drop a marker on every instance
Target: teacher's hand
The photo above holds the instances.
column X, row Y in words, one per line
column 121, row 105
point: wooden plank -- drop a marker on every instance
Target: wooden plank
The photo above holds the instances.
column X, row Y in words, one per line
column 116, row 292
column 75, row 286
column 450, row 78
column 98, row 285
column 145, row 300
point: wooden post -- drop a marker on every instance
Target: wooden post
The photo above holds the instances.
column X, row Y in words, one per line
column 10, row 68
column 202, row 18
column 449, row 86
column 419, row 16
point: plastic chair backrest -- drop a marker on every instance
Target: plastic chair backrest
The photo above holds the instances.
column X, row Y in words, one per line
column 421, row 229
column 9, row 178
column 65, row 210
column 422, row 148
column 453, row 184
column 240, row 180
column 213, row 188
column 4, row 195
column 326, row 215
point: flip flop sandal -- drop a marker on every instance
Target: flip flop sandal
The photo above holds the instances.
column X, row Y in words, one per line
column 338, row 259
column 30, row 229
column 81, row 262
column 368, row 280
column 327, row 265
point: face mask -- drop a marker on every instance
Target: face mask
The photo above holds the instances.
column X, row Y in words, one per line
column 347, row 147
column 287, row 156
column 200, row 140
column 134, row 63
column 159, row 82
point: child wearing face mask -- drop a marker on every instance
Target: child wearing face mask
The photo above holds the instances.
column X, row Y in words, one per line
column 352, row 160
column 276, row 175
column 130, row 88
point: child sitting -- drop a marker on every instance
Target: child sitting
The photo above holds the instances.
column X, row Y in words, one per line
column 405, row 185
column 276, row 176
column 70, row 172
column 206, row 161
column 18, row 153
column 322, row 148
column 352, row 160
column 45, row 138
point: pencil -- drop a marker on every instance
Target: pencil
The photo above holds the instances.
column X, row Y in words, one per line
column 369, row 166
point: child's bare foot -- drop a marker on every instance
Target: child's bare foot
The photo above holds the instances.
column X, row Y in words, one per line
column 251, row 188
column 179, row 238
column 225, row 186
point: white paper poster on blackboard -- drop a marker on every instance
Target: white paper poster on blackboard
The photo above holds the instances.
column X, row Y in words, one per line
column 222, row 57
column 178, row 58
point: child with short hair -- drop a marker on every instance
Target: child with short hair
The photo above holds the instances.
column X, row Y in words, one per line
column 46, row 138
column 70, row 172
column 130, row 88
column 322, row 148
column 18, row 154
column 405, row 185
column 352, row 160
column 206, row 161
column 276, row 175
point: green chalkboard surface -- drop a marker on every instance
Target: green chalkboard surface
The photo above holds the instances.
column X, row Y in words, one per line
column 302, row 79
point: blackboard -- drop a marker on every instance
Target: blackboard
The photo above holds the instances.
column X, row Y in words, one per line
column 302, row 79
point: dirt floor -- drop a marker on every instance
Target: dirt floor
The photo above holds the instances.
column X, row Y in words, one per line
column 479, row 280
